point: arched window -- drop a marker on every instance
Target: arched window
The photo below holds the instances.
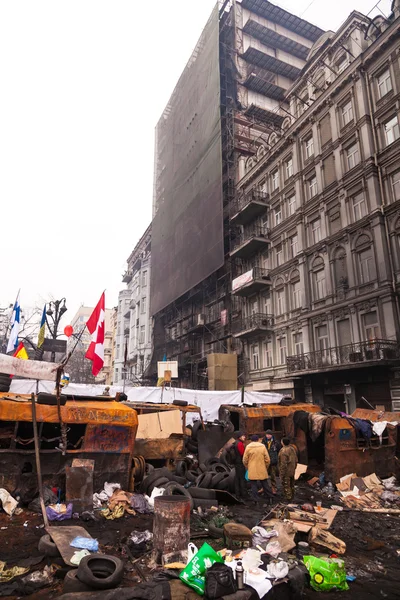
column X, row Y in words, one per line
column 319, row 281
column 366, row 267
column 261, row 152
column 286, row 123
column 280, row 300
column 296, row 290
column 273, row 138
column 249, row 164
column 340, row 267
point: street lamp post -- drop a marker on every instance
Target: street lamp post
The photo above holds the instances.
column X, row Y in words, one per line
column 55, row 311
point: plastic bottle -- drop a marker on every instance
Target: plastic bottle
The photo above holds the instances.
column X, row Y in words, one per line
column 239, row 576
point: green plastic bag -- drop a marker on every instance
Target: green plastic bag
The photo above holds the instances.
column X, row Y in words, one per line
column 194, row 574
column 328, row 574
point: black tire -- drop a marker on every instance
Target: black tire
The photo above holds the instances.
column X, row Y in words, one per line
column 216, row 479
column 223, row 484
column 148, row 469
column 220, row 468
column 196, row 426
column 204, row 480
column 210, row 462
column 181, row 468
column 150, row 479
column 174, row 489
column 201, row 494
column 5, row 387
column 47, row 547
column 50, row 399
column 159, row 483
column 224, row 460
column 180, row 403
column 100, row 571
column 203, row 503
column 192, row 447
column 72, row 584
column 215, row 532
column 231, row 481
column 203, row 468
column 192, row 475
column 180, row 480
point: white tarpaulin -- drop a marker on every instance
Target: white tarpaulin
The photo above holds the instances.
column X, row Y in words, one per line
column 209, row 402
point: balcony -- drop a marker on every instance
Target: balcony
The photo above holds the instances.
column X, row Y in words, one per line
column 127, row 277
column 362, row 354
column 251, row 282
column 249, row 206
column 254, row 325
column 250, row 242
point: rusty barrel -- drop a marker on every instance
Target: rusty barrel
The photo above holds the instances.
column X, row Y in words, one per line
column 171, row 528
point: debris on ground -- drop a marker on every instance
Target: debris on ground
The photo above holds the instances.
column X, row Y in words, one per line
column 7, row 502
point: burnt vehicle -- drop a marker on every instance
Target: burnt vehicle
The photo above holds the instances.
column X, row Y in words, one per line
column 325, row 442
column 101, row 430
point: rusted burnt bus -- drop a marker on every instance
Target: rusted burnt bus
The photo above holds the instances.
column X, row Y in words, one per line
column 155, row 448
column 339, row 449
column 377, row 416
column 103, row 431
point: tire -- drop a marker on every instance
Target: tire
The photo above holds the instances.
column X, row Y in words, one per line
column 50, row 399
column 47, row 547
column 150, row 479
column 181, row 468
column 161, row 482
column 196, row 426
column 100, row 571
column 210, row 462
column 5, row 387
column 192, row 475
column 224, row 483
column 203, row 503
column 215, row 532
column 201, row 494
column 174, row 489
column 216, row 479
column 72, row 583
column 203, row 468
column 180, row 403
column 180, row 480
column 204, row 480
column 192, row 447
column 231, row 481
column 220, row 468
column 148, row 469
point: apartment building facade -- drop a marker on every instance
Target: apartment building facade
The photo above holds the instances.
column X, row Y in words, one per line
column 133, row 347
column 317, row 253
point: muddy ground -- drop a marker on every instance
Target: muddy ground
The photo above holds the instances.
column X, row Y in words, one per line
column 372, row 543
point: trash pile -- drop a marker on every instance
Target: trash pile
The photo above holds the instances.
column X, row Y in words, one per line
column 369, row 493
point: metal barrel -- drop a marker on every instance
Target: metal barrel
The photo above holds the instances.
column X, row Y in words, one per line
column 171, row 528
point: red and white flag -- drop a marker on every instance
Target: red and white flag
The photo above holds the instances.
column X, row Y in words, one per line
column 96, row 326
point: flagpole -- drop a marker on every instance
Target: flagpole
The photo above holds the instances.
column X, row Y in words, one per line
column 9, row 323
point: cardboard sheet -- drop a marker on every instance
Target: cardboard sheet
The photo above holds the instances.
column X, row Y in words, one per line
column 159, row 425
column 300, row 469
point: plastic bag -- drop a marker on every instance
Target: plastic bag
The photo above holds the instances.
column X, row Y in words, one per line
column 78, row 555
column 261, row 535
column 273, row 548
column 192, row 551
column 246, row 475
column 85, row 544
column 326, row 575
column 194, row 574
column 54, row 514
column 277, row 570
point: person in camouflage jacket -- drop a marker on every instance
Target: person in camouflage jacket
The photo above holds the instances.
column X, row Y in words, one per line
column 287, row 462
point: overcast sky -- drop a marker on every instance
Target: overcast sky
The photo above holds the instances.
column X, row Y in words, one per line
column 83, row 85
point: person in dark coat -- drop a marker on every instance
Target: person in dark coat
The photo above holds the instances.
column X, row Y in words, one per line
column 240, row 471
column 273, row 447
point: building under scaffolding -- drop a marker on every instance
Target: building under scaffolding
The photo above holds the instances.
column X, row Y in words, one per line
column 229, row 97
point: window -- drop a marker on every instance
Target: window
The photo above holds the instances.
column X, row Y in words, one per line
column 340, row 267
column 384, row 83
column 255, row 357
column 347, row 112
column 366, row 265
column 296, row 295
column 143, row 306
column 275, row 180
column 359, row 207
column 144, row 278
column 280, row 302
column 142, row 334
column 312, row 187
column 316, row 231
column 342, row 63
column 289, row 168
column 371, row 326
column 293, row 246
column 291, row 205
column 322, row 342
column 352, row 156
column 279, row 255
column 298, row 343
column 268, row 354
column 282, row 350
column 392, row 132
column 266, row 304
column 278, row 215
column 309, row 147
column 320, row 287
column 396, row 185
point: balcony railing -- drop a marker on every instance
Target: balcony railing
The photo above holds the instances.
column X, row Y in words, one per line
column 249, row 206
column 251, row 282
column 127, row 277
column 252, row 325
column 351, row 354
column 250, row 241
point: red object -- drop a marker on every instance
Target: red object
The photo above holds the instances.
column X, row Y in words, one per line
column 68, row 330
column 96, row 327
column 240, row 448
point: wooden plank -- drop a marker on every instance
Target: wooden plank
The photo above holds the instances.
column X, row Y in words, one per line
column 29, row 369
column 63, row 535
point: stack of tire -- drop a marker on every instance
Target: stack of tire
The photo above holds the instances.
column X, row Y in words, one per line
column 198, row 483
column 95, row 572
column 191, row 444
column 5, row 382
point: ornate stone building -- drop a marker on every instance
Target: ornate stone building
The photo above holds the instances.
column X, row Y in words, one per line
column 318, row 244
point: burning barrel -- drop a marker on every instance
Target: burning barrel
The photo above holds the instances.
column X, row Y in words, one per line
column 171, row 529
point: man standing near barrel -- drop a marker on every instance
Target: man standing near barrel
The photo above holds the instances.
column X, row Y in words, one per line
column 273, row 447
column 256, row 461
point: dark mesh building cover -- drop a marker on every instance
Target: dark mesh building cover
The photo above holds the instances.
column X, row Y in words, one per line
column 187, row 229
